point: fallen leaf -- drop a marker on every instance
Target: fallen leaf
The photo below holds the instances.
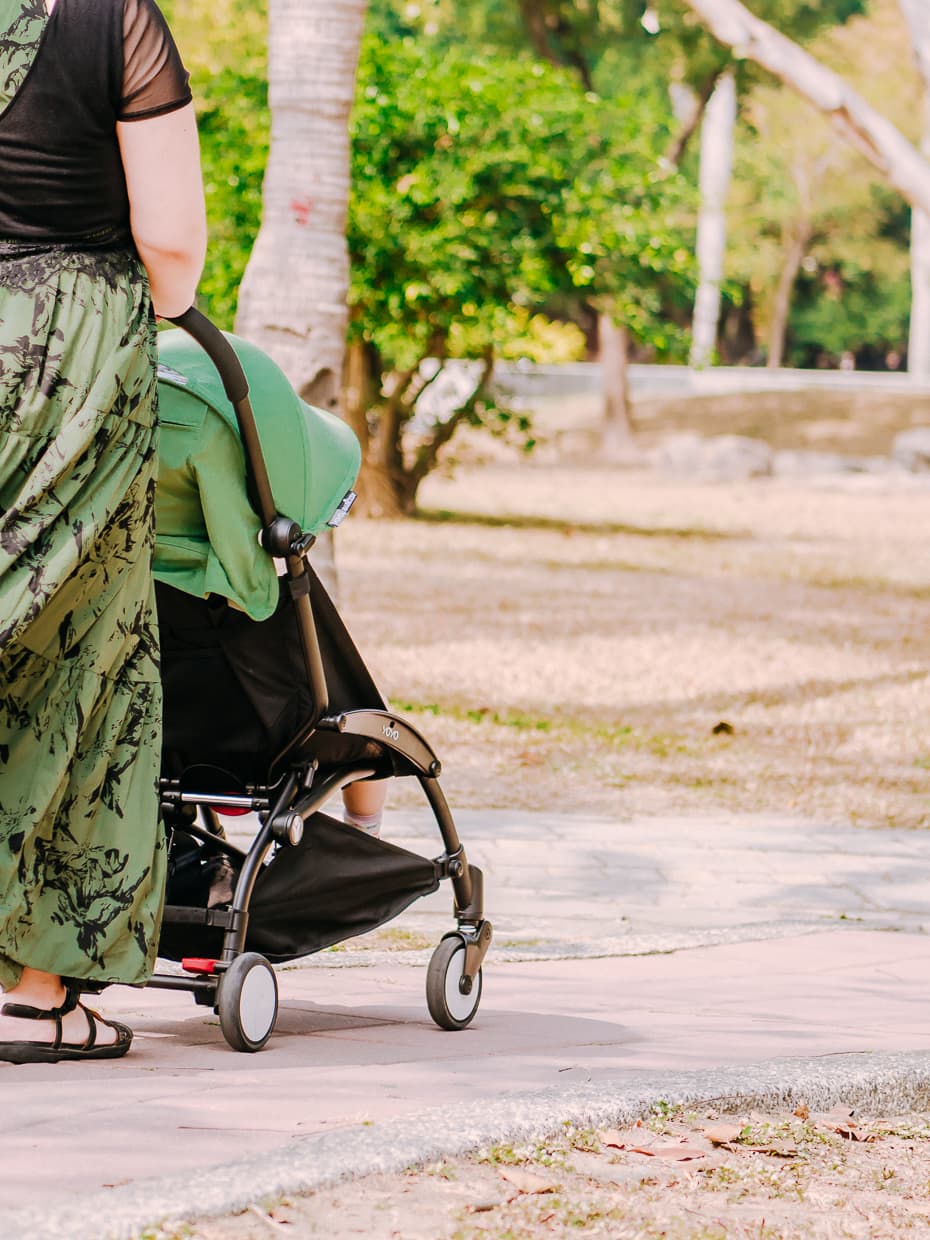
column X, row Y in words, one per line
column 673, row 1153
column 527, row 1181
column 482, row 1207
column 837, row 1115
column 680, row 1153
column 852, row 1132
column 616, row 1139
column 722, row 1134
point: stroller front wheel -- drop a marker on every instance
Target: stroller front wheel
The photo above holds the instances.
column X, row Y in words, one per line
column 247, row 1002
column 448, row 1005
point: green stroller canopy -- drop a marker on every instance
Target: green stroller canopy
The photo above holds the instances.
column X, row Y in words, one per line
column 207, row 532
column 312, row 456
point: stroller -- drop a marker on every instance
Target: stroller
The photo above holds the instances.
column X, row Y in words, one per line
column 273, row 717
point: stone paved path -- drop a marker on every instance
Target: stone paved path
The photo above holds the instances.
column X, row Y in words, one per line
column 770, row 940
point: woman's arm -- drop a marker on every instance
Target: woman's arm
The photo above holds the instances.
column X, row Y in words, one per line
column 161, row 159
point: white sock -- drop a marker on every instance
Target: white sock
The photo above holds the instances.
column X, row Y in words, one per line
column 369, row 823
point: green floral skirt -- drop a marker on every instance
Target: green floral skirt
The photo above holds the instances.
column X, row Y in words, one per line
column 82, row 854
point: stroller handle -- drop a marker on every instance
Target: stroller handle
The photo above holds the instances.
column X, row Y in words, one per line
column 236, row 385
column 218, row 349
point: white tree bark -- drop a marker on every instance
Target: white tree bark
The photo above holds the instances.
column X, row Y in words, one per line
column 292, row 302
column 717, row 133
column 857, row 121
column 917, row 16
column 293, row 297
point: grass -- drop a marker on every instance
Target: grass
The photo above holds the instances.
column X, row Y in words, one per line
column 555, row 658
column 569, row 528
column 387, row 939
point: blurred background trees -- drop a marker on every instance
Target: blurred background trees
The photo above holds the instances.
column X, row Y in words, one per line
column 525, row 178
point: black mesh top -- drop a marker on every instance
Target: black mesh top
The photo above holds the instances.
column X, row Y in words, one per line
column 98, row 62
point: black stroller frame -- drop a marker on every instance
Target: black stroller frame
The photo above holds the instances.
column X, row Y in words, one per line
column 240, row 984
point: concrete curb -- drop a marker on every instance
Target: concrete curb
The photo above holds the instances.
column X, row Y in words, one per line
column 876, row 1083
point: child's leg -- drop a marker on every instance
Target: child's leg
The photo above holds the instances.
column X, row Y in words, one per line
column 363, row 803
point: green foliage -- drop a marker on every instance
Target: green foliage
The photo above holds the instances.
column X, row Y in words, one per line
column 535, row 338
column 489, row 187
column 849, row 310
column 224, row 47
column 465, row 207
column 604, row 41
column 234, row 134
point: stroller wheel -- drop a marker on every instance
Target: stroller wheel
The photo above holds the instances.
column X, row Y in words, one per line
column 247, row 1002
column 448, row 1006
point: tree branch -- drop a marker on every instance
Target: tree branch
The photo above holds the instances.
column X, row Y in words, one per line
column 428, row 452
column 676, row 152
column 874, row 135
column 541, row 30
column 535, row 21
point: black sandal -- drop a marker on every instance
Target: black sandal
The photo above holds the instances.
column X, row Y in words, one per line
column 52, row 1052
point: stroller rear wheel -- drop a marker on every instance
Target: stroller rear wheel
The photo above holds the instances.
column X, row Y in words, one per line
column 247, row 1002
column 449, row 1006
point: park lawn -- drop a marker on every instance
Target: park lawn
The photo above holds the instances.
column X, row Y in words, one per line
column 623, row 643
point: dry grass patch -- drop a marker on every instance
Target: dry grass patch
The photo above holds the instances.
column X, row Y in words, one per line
column 579, row 637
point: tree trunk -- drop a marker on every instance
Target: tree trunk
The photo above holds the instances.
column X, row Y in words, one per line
column 871, row 133
column 717, row 131
column 614, row 349
column 358, row 390
column 917, row 17
column 381, row 485
column 781, row 308
column 918, row 348
column 293, row 297
column 375, row 495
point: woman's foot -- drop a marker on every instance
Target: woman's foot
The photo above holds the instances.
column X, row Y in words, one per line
column 43, row 1013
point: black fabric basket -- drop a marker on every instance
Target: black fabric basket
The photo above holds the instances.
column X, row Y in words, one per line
column 336, row 884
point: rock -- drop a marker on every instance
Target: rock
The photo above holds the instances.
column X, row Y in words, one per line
column 680, row 453
column 876, row 465
column 800, row 464
column 723, row 458
column 912, row 449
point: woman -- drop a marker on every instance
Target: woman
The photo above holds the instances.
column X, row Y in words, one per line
column 101, row 228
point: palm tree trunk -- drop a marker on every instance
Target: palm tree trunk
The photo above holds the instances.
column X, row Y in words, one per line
column 293, row 297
